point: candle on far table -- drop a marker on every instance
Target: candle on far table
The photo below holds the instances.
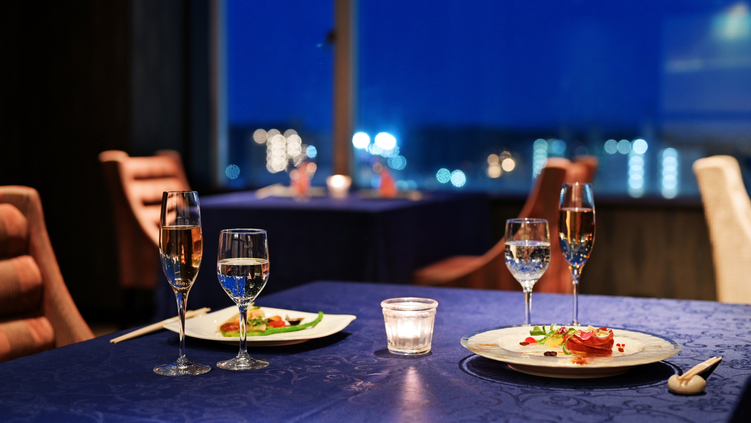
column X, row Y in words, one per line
column 338, row 185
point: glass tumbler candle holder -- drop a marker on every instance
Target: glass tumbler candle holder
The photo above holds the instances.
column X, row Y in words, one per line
column 409, row 324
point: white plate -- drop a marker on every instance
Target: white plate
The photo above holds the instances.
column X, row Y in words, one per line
column 504, row 345
column 207, row 327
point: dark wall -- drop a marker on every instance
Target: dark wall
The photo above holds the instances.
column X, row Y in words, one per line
column 657, row 249
column 80, row 77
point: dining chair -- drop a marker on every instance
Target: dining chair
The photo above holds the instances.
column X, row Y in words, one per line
column 136, row 185
column 727, row 209
column 489, row 270
column 37, row 312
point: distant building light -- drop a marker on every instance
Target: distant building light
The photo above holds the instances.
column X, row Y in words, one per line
column 259, row 136
column 232, row 171
column 558, row 147
column 311, row 151
column 397, row 162
column 458, row 178
column 611, row 146
column 494, row 171
column 360, row 140
column 385, row 140
column 508, row 164
column 443, row 175
column 639, row 146
column 624, row 146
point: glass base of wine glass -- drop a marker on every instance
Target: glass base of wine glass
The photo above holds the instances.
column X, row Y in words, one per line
column 242, row 362
column 182, row 367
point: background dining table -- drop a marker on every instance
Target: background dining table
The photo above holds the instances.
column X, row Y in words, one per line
column 351, row 376
column 358, row 238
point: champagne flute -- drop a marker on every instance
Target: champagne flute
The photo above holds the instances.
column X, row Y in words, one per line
column 576, row 231
column 243, row 269
column 181, row 249
column 527, row 255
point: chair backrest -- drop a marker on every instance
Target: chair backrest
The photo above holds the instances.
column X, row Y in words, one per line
column 136, row 185
column 583, row 169
column 36, row 310
column 727, row 209
column 543, row 203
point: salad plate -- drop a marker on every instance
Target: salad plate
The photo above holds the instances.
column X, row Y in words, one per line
column 505, row 345
column 206, row 327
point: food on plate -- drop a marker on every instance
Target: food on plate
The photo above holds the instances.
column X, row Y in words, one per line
column 592, row 341
column 260, row 325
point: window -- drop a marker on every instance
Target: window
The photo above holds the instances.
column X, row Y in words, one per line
column 475, row 96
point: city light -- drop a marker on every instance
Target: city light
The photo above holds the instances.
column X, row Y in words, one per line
column 458, row 178
column 539, row 156
column 385, row 140
column 232, row 171
column 611, row 146
column 443, row 175
column 669, row 173
column 360, row 140
column 639, row 146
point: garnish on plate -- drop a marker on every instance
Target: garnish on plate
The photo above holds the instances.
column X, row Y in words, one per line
column 592, row 341
column 259, row 325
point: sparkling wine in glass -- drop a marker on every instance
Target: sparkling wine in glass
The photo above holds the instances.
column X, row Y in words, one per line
column 527, row 255
column 243, row 269
column 181, row 249
column 576, row 231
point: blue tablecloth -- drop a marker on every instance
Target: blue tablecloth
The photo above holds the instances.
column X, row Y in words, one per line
column 353, row 239
column 351, row 377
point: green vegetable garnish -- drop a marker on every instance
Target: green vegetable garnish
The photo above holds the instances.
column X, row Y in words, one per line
column 273, row 330
column 553, row 334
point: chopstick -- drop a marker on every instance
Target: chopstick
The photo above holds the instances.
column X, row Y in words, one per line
column 159, row 325
column 698, row 369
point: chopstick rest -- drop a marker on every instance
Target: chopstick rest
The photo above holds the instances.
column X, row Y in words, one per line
column 156, row 326
column 690, row 383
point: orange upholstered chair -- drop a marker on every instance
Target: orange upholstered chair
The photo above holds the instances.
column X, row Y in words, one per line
column 136, row 185
column 37, row 312
column 489, row 270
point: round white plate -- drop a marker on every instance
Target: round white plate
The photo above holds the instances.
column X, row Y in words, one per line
column 207, row 327
column 504, row 345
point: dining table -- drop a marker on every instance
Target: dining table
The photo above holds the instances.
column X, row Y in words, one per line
column 363, row 237
column 350, row 375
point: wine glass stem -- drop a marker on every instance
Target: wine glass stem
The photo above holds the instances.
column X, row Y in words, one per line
column 575, row 271
column 527, row 306
column 182, row 303
column 243, row 330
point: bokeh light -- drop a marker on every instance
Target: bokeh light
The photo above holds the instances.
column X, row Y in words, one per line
column 508, row 164
column 639, row 146
column 397, row 162
column 494, row 170
column 443, row 175
column 232, row 171
column 311, row 151
column 360, row 140
column 259, row 136
column 669, row 181
column 624, row 146
column 385, row 140
column 611, row 146
column 539, row 156
column 458, row 178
